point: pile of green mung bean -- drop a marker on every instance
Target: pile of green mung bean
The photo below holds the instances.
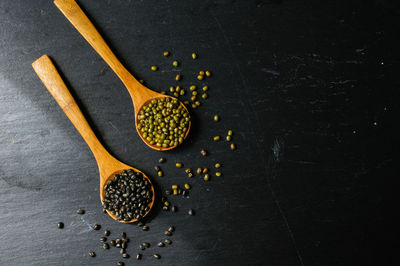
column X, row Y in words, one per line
column 163, row 122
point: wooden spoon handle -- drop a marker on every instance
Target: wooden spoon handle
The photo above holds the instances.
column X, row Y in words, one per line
column 47, row 72
column 81, row 22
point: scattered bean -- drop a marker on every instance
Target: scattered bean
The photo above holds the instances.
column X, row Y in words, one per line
column 154, row 68
column 162, row 160
column 96, row 227
column 191, row 212
column 218, row 173
column 187, row 186
column 138, row 256
column 233, row 146
column 194, row 56
column 80, row 211
column 175, row 63
column 217, row 138
column 157, row 256
column 92, row 254
column 179, row 165
column 166, row 53
column 206, row 177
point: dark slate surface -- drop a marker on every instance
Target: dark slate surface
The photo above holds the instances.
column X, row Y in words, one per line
column 310, row 89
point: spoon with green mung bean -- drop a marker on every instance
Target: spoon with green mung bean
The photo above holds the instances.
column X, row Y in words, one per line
column 162, row 121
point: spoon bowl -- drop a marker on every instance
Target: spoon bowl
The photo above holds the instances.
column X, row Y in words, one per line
column 107, row 164
column 139, row 93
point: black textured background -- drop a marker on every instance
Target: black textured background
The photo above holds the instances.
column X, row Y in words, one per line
column 310, row 89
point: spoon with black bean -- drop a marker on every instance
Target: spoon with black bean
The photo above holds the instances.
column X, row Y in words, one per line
column 126, row 193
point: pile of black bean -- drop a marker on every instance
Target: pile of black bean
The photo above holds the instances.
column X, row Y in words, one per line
column 128, row 195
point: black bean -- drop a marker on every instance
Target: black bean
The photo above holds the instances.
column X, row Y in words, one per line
column 96, row 227
column 145, row 228
column 146, row 244
column 103, row 239
column 120, row 263
column 168, row 192
column 112, row 243
column 107, row 233
column 124, row 245
column 128, row 195
column 140, row 224
column 157, row 256
column 161, row 160
column 191, row 212
column 174, row 209
column 80, row 211
column 171, row 229
column 123, row 235
column 60, row 225
column 165, row 208
column 118, row 245
column 138, row 256
column 168, row 233
column 125, row 240
column 122, row 251
column 168, row 241
column 106, row 246
column 185, row 193
column 92, row 254
column 125, row 255
column 160, row 244
column 142, row 247
column 157, row 168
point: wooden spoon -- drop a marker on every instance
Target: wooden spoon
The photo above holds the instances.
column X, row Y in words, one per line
column 140, row 94
column 108, row 165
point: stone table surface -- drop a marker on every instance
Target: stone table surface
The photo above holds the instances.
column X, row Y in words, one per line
column 309, row 88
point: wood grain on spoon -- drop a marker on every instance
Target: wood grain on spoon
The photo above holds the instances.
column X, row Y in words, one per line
column 108, row 165
column 139, row 93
